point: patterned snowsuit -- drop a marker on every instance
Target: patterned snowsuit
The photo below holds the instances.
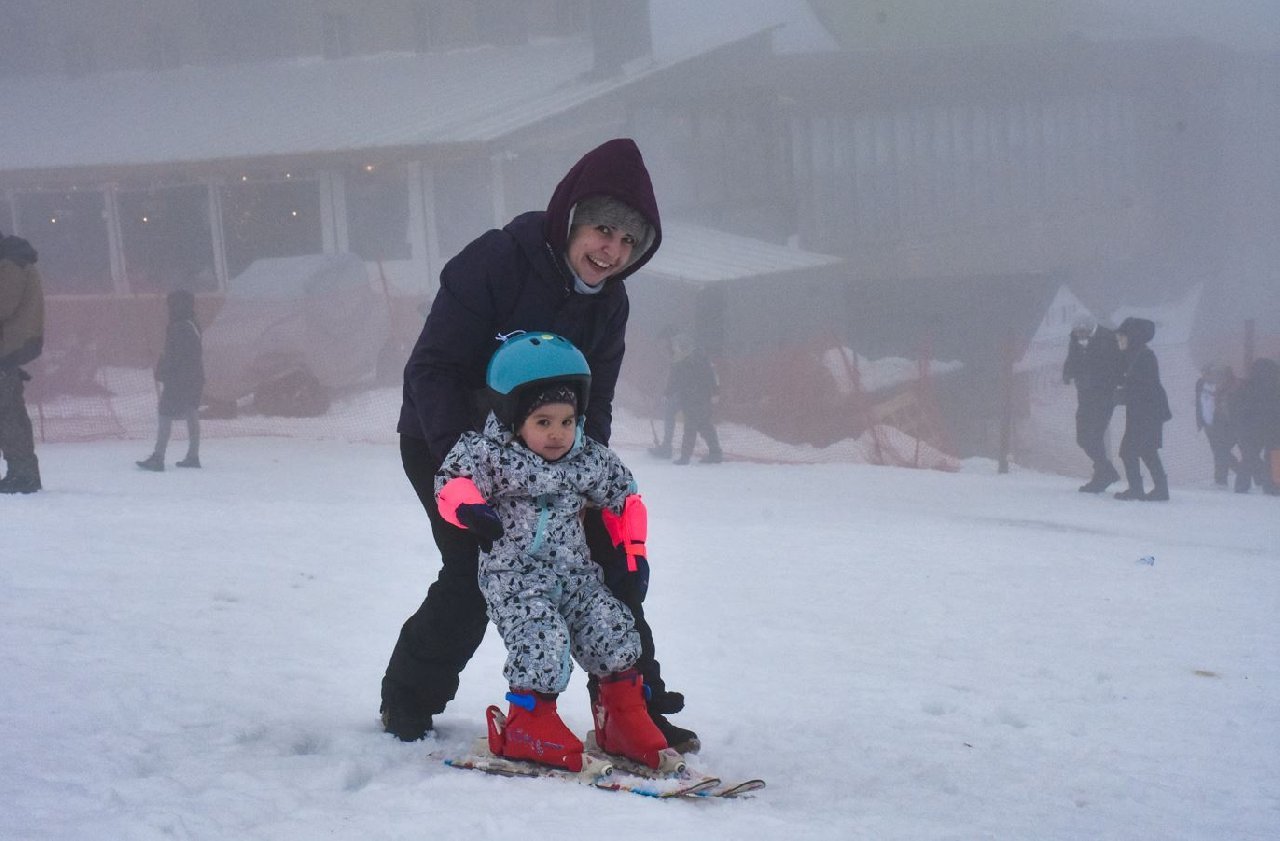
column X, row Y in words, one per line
column 543, row 592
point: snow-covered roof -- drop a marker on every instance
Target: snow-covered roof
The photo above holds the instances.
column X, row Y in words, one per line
column 302, row 106
column 705, row 255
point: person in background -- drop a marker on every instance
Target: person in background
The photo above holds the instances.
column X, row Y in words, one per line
column 561, row 271
column 1095, row 365
column 1257, row 418
column 1215, row 393
column 670, row 409
column 694, row 386
column 180, row 372
column 521, row 487
column 21, row 342
column 1146, row 409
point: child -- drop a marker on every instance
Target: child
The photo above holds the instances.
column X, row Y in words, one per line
column 520, row 486
column 180, row 373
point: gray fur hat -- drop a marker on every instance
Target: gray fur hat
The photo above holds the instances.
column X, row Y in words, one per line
column 606, row 210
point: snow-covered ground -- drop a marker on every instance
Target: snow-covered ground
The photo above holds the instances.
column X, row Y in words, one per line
column 901, row 654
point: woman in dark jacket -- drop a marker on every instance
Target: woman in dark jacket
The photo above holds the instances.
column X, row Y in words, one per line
column 180, row 373
column 561, row 271
column 1257, row 420
column 1146, row 411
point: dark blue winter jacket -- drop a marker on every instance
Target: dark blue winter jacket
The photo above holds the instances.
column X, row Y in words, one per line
column 516, row 279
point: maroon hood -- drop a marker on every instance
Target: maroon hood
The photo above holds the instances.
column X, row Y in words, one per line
column 614, row 168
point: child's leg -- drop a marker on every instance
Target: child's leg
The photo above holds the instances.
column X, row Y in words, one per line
column 603, row 637
column 537, row 669
column 535, row 634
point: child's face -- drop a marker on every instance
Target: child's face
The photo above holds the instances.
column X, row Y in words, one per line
column 550, row 430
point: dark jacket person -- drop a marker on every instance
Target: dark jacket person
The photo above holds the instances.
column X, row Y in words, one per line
column 1146, row 407
column 21, row 342
column 560, row 270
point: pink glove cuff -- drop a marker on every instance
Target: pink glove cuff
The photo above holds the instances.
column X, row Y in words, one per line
column 629, row 529
column 457, row 491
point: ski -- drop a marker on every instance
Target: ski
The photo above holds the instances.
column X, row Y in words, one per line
column 674, row 767
column 597, row 772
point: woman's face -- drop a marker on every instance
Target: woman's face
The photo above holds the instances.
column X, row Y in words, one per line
column 596, row 252
column 1122, row 340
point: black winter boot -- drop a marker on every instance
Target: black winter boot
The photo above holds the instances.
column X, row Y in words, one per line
column 153, row 463
column 1159, row 481
column 1104, row 474
column 403, row 713
column 19, row 484
column 1132, row 472
column 683, row 740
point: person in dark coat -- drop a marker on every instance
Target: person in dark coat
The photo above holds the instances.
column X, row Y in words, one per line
column 561, row 271
column 1215, row 393
column 180, row 373
column 1257, row 417
column 1146, row 409
column 21, row 342
column 1095, row 365
column 693, row 387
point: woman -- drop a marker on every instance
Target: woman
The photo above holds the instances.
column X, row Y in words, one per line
column 558, row 271
column 1146, row 411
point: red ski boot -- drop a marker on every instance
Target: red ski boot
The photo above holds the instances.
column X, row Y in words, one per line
column 533, row 731
column 623, row 725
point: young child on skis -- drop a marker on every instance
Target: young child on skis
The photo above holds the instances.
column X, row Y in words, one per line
column 521, row 486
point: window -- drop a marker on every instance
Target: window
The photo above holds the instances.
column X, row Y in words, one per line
column 161, row 50
column 246, row 30
column 378, row 212
column 270, row 218
column 69, row 230
column 463, row 202
column 78, row 57
column 168, row 241
column 337, row 35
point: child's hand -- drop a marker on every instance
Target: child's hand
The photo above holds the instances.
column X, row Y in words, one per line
column 482, row 521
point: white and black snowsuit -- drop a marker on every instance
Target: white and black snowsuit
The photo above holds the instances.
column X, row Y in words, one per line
column 542, row 590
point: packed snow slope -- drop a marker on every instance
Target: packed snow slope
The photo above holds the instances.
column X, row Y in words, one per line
column 901, row 654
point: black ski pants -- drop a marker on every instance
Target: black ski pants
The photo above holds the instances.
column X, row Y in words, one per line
column 438, row 640
column 1093, row 416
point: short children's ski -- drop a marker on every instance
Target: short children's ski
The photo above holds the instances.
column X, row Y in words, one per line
column 673, row 767
column 596, row 772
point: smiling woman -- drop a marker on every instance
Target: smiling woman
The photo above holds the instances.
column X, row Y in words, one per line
column 556, row 271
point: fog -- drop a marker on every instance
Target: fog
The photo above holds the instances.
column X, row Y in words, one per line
column 939, row 171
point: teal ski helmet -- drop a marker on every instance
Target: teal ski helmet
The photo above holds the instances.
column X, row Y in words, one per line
column 527, row 361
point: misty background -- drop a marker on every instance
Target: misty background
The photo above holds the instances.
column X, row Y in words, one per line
column 877, row 215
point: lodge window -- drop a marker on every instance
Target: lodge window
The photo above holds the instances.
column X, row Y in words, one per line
column 69, row 231
column 377, row 200
column 337, row 35
column 167, row 239
column 78, row 57
column 270, row 218
column 462, row 194
column 161, row 50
